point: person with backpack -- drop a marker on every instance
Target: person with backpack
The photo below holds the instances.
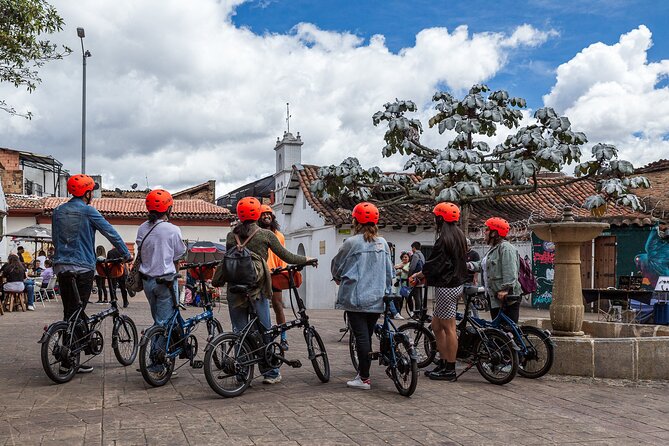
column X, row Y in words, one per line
column 364, row 272
column 159, row 246
column 246, row 273
column 446, row 270
column 499, row 268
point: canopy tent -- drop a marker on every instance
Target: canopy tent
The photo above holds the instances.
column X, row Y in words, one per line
column 34, row 233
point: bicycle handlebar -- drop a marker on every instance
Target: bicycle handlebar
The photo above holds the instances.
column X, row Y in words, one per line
column 199, row 265
column 298, row 267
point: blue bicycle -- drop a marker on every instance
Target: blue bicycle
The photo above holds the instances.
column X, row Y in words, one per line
column 395, row 351
column 162, row 345
column 536, row 348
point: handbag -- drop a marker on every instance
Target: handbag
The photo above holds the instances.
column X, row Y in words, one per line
column 134, row 280
column 280, row 280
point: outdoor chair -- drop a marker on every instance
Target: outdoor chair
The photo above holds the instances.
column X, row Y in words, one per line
column 14, row 300
column 50, row 290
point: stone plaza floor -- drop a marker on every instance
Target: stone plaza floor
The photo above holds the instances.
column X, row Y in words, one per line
column 113, row 405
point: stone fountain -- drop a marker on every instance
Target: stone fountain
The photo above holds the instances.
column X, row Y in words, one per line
column 567, row 309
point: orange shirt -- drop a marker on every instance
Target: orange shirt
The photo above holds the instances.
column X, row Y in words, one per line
column 273, row 261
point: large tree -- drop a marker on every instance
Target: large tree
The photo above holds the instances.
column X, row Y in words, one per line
column 23, row 48
column 468, row 170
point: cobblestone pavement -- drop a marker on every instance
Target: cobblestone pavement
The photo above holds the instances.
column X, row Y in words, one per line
column 114, row 405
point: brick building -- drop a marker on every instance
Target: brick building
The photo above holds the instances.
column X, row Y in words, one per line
column 31, row 174
column 656, row 198
column 205, row 191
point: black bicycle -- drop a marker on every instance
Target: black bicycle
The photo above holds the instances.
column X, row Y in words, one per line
column 63, row 341
column 396, row 352
column 161, row 346
column 419, row 329
column 230, row 358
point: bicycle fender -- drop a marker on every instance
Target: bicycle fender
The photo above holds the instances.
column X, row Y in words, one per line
column 47, row 333
column 208, row 347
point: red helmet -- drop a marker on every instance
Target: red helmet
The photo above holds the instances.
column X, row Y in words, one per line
column 78, row 185
column 159, row 200
column 248, row 208
column 366, row 213
column 498, row 224
column 266, row 208
column 448, row 211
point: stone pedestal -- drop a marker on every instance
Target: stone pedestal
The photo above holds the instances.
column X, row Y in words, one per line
column 567, row 309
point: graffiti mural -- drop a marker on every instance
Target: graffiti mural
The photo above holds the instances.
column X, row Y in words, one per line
column 543, row 265
column 654, row 262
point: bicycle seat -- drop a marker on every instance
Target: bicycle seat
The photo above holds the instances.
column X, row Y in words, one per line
column 167, row 279
column 388, row 298
column 512, row 299
column 471, row 290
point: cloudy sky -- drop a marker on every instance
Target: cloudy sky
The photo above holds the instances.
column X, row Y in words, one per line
column 181, row 92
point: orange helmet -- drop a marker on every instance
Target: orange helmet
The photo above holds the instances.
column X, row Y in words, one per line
column 159, row 200
column 448, row 211
column 248, row 208
column 498, row 224
column 266, row 208
column 78, row 185
column 366, row 213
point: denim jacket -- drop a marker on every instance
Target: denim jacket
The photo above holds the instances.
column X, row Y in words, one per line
column 365, row 274
column 73, row 227
column 501, row 271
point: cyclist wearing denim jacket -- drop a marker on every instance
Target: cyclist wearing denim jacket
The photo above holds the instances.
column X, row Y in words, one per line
column 73, row 227
column 364, row 273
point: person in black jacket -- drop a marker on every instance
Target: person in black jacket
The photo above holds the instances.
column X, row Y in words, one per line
column 446, row 270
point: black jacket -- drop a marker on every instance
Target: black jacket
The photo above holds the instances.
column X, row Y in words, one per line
column 445, row 269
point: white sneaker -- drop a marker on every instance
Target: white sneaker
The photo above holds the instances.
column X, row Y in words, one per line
column 275, row 380
column 31, row 308
column 359, row 383
column 398, row 316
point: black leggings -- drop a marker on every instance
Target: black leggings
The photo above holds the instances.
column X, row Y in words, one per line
column 84, row 284
column 120, row 284
column 100, row 282
column 362, row 325
column 512, row 311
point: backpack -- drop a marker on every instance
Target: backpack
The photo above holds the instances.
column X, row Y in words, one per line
column 237, row 267
column 528, row 283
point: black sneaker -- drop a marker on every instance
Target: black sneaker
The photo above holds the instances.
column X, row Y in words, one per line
column 443, row 375
column 84, row 369
column 440, row 365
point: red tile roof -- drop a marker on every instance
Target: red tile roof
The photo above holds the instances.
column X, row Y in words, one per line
column 655, row 166
column 125, row 207
column 545, row 204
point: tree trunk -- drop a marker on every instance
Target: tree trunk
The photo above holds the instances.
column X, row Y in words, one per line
column 465, row 213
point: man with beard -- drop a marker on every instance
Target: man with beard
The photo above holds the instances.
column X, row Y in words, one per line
column 268, row 221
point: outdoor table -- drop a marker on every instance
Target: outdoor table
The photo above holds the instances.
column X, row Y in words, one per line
column 597, row 294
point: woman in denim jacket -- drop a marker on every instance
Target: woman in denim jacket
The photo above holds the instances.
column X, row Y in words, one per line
column 499, row 268
column 364, row 273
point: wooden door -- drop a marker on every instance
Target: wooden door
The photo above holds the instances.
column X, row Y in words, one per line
column 605, row 262
column 586, row 265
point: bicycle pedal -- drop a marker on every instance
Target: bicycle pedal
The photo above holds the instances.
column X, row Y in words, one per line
column 197, row 364
column 296, row 364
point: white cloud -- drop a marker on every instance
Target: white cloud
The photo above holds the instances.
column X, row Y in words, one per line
column 180, row 94
column 611, row 93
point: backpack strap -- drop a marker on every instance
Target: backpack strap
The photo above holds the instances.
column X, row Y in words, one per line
column 241, row 245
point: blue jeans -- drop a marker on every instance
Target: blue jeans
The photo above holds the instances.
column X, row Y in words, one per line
column 30, row 290
column 161, row 304
column 239, row 317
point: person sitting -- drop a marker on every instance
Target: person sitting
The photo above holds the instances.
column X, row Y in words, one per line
column 47, row 273
column 37, row 268
column 15, row 274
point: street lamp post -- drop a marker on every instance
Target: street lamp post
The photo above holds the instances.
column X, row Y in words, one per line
column 84, row 55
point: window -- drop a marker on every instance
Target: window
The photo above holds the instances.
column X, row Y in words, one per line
column 39, row 190
column 29, row 187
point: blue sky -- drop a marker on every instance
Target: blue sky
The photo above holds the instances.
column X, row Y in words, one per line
column 530, row 71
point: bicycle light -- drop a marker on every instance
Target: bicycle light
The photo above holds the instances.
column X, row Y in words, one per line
column 46, row 327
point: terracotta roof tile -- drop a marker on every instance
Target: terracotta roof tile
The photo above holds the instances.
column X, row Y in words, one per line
column 195, row 209
column 545, row 204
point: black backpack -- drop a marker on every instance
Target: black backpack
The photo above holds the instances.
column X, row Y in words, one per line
column 237, row 267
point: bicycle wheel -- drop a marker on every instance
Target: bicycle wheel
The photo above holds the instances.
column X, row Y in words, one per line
column 423, row 342
column 319, row 357
column 405, row 370
column 497, row 361
column 155, row 365
column 59, row 365
column 124, row 340
column 226, row 365
column 353, row 350
column 538, row 359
